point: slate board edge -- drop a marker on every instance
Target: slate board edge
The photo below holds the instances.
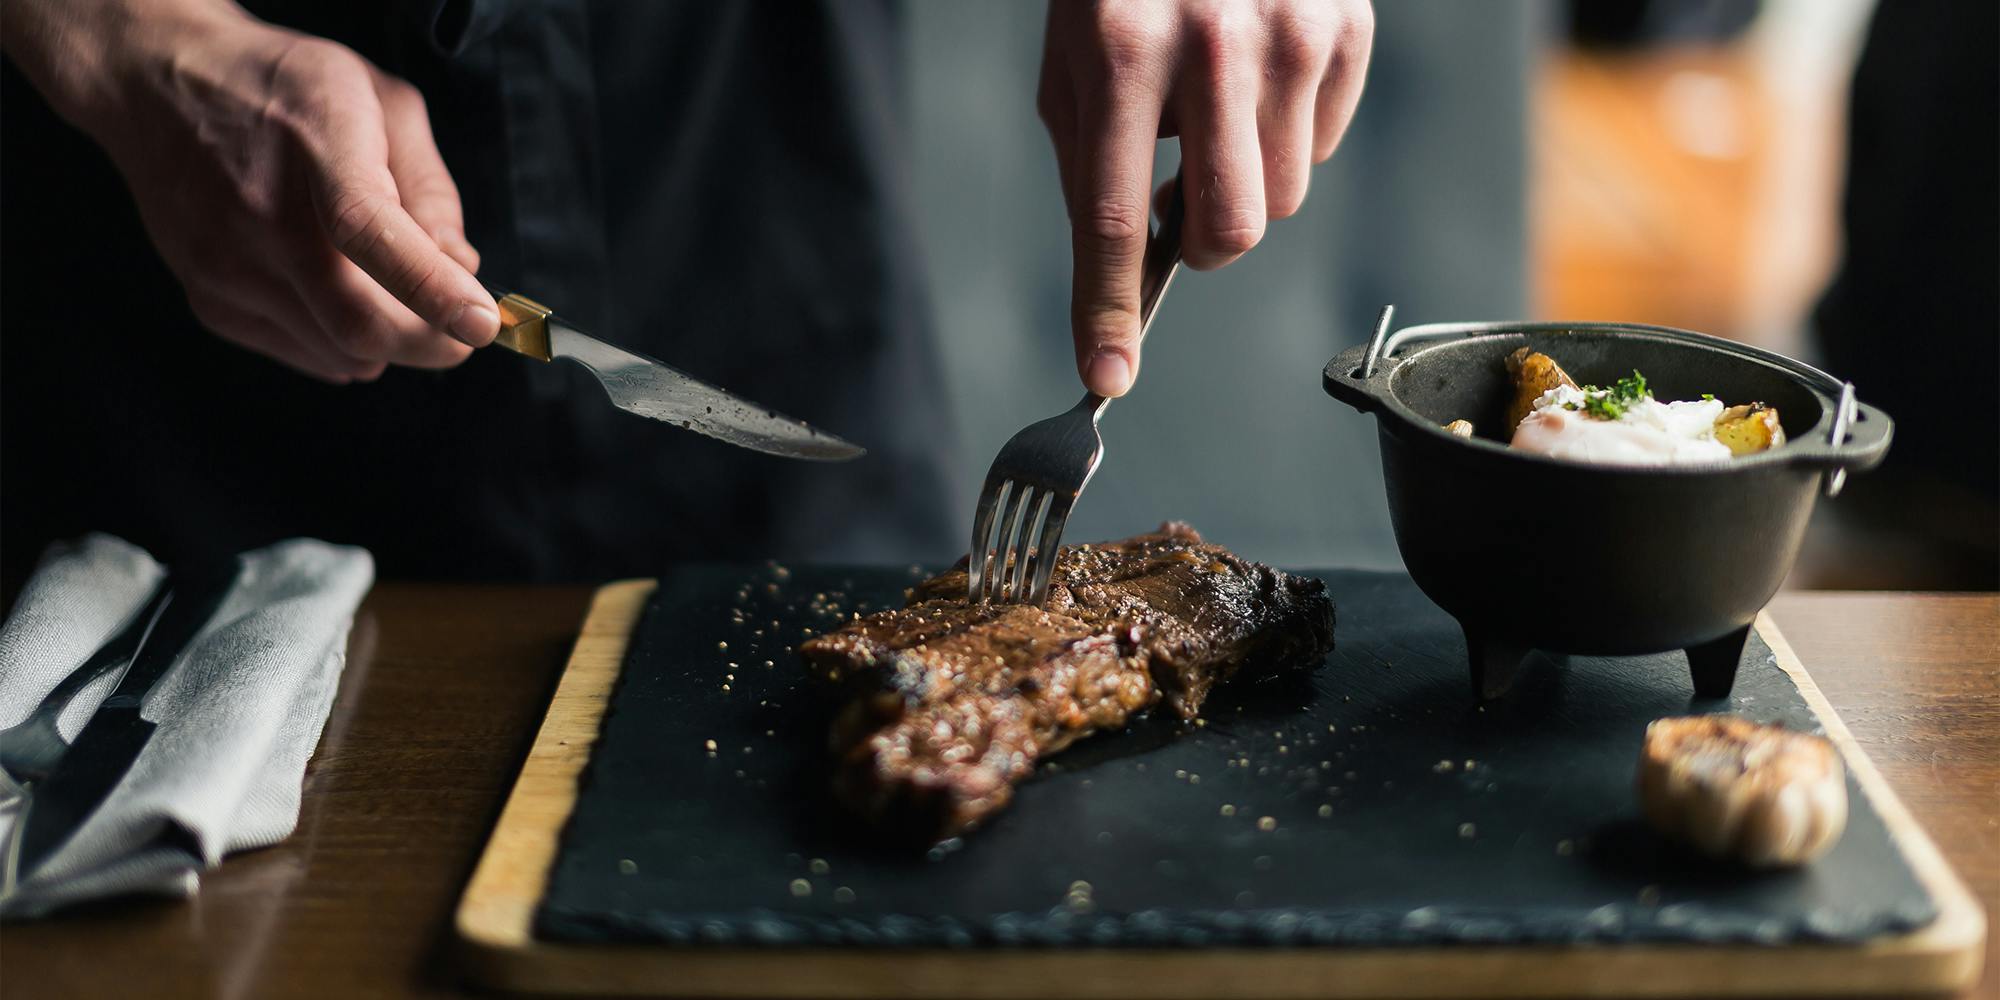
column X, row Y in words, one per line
column 1621, row 924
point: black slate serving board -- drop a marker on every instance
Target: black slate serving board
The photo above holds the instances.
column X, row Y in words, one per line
column 1370, row 803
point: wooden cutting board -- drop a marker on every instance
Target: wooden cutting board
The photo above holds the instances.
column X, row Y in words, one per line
column 1333, row 842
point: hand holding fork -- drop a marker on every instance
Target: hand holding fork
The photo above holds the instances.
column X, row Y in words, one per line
column 1039, row 473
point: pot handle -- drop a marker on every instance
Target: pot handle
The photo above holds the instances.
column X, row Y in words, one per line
column 1843, row 418
column 1356, row 377
column 1374, row 355
column 1351, row 377
column 1857, row 440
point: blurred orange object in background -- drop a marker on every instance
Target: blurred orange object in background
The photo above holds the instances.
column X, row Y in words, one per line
column 1694, row 184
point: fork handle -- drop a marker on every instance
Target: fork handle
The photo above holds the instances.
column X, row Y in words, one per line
column 115, row 653
column 1163, row 258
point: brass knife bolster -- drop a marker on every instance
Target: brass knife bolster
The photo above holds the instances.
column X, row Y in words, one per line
column 524, row 326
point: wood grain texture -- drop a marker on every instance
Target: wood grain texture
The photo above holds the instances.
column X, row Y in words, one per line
column 1916, row 678
column 446, row 685
column 496, row 917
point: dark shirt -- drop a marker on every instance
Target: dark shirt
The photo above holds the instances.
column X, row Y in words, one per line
column 716, row 184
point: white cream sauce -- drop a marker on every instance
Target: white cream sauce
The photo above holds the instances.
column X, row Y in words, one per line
column 1649, row 433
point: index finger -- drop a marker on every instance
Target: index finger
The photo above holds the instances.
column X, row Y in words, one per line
column 423, row 183
column 357, row 203
column 1108, row 224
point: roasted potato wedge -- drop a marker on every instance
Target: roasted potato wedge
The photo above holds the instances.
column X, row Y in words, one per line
column 1462, row 428
column 1533, row 374
column 1749, row 428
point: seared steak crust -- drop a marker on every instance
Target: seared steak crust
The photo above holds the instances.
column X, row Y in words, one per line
column 960, row 701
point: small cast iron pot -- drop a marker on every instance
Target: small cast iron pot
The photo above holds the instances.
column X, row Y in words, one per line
column 1530, row 552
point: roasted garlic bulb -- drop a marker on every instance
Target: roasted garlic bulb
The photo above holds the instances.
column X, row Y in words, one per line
column 1761, row 794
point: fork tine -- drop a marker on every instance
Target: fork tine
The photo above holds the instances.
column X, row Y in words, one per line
column 996, row 567
column 1025, row 554
column 1017, row 584
column 998, row 588
column 982, row 536
column 1052, row 529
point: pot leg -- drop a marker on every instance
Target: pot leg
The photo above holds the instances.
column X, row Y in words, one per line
column 1714, row 663
column 1495, row 662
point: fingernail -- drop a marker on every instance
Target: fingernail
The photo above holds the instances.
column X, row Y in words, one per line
column 475, row 324
column 1110, row 373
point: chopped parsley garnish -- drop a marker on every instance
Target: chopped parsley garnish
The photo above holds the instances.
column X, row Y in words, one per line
column 1611, row 404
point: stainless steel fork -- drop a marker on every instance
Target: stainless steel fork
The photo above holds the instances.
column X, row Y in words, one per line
column 30, row 748
column 1039, row 473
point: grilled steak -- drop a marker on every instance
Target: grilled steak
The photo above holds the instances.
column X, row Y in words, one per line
column 960, row 701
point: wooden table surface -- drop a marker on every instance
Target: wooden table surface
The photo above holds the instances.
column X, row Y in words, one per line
column 445, row 686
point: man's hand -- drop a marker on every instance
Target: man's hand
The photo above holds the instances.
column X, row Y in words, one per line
column 1257, row 90
column 293, row 188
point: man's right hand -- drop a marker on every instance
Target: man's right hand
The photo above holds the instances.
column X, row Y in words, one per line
column 293, row 188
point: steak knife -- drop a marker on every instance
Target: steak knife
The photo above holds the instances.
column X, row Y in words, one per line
column 649, row 388
column 113, row 738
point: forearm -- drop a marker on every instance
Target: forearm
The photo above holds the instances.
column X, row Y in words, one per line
column 78, row 52
column 292, row 187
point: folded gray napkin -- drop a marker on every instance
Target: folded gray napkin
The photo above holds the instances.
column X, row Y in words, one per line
column 238, row 715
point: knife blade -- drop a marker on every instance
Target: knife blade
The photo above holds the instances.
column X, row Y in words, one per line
column 116, row 733
column 641, row 385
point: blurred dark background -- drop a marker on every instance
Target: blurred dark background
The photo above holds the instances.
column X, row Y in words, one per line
column 1813, row 176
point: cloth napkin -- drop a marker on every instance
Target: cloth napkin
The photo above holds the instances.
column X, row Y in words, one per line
column 238, row 715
